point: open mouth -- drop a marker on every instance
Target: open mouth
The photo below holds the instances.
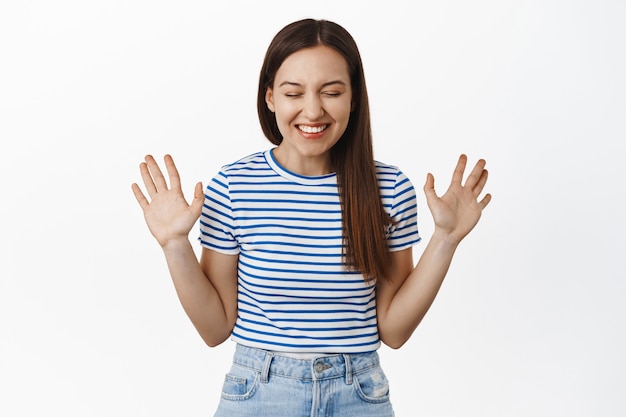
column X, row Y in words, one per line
column 312, row 129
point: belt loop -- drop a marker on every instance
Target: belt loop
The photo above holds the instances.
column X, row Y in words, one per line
column 265, row 372
column 348, row 362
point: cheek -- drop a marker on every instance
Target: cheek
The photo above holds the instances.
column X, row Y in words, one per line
column 285, row 111
column 340, row 110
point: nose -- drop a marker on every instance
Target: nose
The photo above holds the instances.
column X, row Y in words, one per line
column 313, row 108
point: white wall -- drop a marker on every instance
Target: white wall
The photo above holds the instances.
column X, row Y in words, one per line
column 530, row 321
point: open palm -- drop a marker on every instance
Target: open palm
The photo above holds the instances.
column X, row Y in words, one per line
column 167, row 214
column 458, row 210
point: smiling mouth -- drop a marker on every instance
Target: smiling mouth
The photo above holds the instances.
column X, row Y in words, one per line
column 312, row 129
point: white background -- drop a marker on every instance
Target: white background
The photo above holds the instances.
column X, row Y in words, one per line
column 530, row 320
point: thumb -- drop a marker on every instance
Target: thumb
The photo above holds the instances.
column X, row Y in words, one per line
column 429, row 187
column 198, row 199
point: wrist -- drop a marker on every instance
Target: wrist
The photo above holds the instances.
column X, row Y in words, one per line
column 445, row 239
column 175, row 244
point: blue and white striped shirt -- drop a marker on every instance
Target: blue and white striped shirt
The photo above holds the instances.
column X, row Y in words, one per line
column 294, row 292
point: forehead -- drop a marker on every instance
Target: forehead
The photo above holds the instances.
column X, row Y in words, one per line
column 318, row 64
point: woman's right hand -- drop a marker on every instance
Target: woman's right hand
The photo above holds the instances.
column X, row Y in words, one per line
column 168, row 215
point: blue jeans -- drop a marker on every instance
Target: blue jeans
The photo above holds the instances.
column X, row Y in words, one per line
column 266, row 384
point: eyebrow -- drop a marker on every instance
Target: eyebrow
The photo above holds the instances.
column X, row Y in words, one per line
column 326, row 84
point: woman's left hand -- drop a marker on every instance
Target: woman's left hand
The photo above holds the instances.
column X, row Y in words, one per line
column 457, row 212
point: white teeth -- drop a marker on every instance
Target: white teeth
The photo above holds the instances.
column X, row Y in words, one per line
column 312, row 129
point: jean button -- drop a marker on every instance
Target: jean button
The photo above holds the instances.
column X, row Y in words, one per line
column 319, row 367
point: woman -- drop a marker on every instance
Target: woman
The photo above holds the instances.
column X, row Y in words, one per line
column 307, row 247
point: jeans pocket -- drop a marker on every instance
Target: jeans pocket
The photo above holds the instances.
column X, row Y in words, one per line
column 372, row 385
column 240, row 383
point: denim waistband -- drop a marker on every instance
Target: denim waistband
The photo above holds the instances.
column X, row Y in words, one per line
column 323, row 367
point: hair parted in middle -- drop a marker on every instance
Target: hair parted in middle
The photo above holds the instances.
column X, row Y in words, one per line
column 363, row 218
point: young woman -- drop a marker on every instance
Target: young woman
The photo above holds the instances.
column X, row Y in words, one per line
column 307, row 247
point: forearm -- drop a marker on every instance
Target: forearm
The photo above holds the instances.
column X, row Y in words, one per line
column 199, row 298
column 407, row 308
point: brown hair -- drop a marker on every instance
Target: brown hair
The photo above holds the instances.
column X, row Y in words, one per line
column 363, row 218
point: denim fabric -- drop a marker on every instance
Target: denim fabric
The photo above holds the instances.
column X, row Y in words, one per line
column 266, row 384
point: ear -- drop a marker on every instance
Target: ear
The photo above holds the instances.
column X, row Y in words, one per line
column 269, row 99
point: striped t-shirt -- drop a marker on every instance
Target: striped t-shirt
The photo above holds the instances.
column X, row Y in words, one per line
column 294, row 292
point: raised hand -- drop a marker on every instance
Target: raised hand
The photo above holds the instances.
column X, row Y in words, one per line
column 168, row 215
column 458, row 210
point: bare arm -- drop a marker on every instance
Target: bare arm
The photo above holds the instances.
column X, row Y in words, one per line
column 405, row 297
column 207, row 289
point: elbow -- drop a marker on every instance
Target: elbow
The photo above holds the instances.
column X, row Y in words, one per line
column 395, row 346
column 393, row 339
column 213, row 338
column 394, row 342
column 214, row 341
column 392, row 335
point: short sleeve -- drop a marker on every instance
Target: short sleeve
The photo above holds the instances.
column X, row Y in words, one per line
column 403, row 232
column 217, row 221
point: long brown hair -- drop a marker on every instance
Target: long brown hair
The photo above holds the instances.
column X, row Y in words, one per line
column 363, row 218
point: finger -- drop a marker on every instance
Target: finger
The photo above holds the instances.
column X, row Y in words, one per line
column 198, row 199
column 147, row 179
column 172, row 171
column 141, row 199
column 476, row 174
column 429, row 187
column 155, row 172
column 483, row 203
column 457, row 176
column 478, row 188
